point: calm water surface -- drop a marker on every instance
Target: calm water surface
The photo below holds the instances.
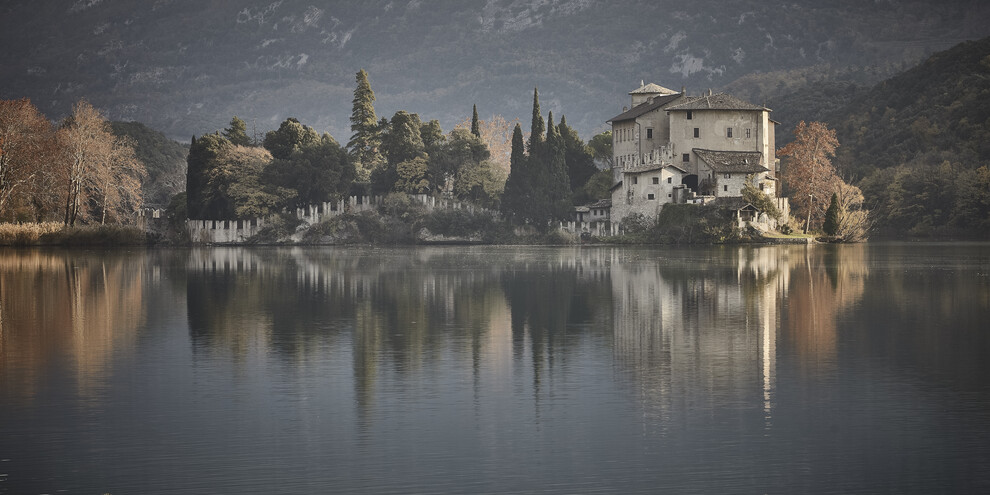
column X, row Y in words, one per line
column 786, row 369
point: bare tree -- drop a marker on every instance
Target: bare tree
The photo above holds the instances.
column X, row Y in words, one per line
column 25, row 143
column 100, row 174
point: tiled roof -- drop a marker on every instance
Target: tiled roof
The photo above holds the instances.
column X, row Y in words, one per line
column 719, row 101
column 732, row 161
column 601, row 203
column 652, row 88
column 649, row 167
column 636, row 111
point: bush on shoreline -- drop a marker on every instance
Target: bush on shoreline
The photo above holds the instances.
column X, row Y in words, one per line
column 57, row 234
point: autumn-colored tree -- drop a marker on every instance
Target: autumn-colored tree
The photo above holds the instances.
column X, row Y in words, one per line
column 26, row 142
column 496, row 133
column 99, row 172
column 808, row 173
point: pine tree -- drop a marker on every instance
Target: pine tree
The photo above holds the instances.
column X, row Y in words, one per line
column 831, row 225
column 364, row 143
column 475, row 124
column 237, row 132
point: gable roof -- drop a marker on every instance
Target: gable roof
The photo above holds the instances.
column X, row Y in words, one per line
column 718, row 101
column 652, row 89
column 732, row 161
column 642, row 108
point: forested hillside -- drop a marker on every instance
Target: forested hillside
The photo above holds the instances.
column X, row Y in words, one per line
column 185, row 66
column 163, row 159
column 918, row 143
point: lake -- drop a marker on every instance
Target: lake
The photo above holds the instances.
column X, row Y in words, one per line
column 772, row 369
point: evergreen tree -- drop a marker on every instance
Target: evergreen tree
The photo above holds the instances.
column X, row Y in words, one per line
column 207, row 155
column 580, row 162
column 475, row 124
column 831, row 225
column 536, row 128
column 517, row 187
column 289, row 136
column 366, row 139
column 237, row 132
column 402, row 143
column 557, row 186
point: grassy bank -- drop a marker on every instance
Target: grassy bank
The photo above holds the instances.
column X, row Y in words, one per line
column 56, row 234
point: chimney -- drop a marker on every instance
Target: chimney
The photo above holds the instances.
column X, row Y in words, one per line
column 683, row 90
column 624, row 108
column 642, row 83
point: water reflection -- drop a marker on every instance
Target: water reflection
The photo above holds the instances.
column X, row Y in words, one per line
column 498, row 369
column 57, row 306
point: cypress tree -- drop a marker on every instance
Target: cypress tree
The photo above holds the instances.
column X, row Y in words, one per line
column 536, row 128
column 475, row 125
column 831, row 225
column 558, row 188
column 517, row 186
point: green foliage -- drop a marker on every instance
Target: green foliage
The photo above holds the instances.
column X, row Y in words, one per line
column 831, row 224
column 205, row 154
column 600, row 147
column 580, row 162
column 695, row 224
column 412, row 176
column 464, row 224
column 290, row 136
column 597, row 187
column 237, row 132
column 315, row 171
column 934, row 112
column 761, row 201
column 945, row 200
column 276, row 229
column 475, row 124
column 536, row 127
column 480, row 183
column 433, row 138
column 518, row 186
column 557, row 186
column 366, row 137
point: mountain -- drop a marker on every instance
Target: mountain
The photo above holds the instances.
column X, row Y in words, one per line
column 917, row 143
column 164, row 160
column 186, row 66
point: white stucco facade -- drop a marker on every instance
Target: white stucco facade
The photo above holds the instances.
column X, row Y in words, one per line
column 694, row 146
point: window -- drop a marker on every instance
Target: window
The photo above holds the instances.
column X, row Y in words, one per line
column 686, row 157
column 651, row 196
column 670, row 180
column 749, row 133
column 656, row 180
column 728, row 176
column 728, row 132
column 725, row 188
column 635, row 180
column 668, row 195
column 690, row 115
column 649, row 133
column 697, row 132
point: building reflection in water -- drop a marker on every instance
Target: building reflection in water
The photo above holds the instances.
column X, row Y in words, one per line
column 694, row 329
column 701, row 329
